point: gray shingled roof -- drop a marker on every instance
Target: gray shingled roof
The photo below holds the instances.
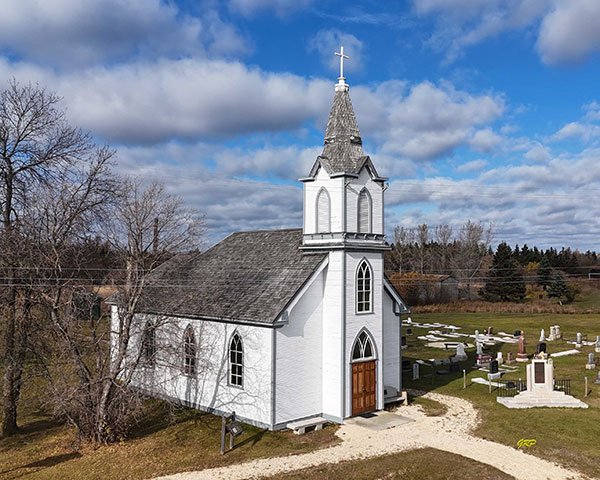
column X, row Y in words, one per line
column 247, row 277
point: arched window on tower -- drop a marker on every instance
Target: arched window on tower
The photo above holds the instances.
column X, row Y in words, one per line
column 323, row 212
column 236, row 361
column 189, row 351
column 364, row 211
column 364, row 288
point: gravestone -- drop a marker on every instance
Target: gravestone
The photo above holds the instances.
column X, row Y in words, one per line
column 541, row 347
column 454, row 367
column 403, row 345
column 461, row 355
column 494, row 366
column 579, row 341
column 483, row 360
column 598, row 379
column 517, row 333
column 510, row 358
column 542, row 336
column 522, row 355
column 591, row 365
column 409, row 331
column 499, row 358
column 479, row 348
column 415, row 375
column 405, row 365
column 598, row 344
column 490, row 330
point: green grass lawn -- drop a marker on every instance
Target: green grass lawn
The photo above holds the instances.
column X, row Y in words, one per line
column 568, row 436
column 422, row 464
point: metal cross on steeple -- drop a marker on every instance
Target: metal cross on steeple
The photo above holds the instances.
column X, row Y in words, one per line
column 342, row 56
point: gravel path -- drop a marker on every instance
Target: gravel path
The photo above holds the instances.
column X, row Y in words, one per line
column 450, row 432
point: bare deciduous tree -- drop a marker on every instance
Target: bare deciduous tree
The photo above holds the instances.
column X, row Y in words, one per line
column 35, row 140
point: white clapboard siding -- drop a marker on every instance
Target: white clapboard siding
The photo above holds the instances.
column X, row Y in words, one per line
column 364, row 212
column 323, row 212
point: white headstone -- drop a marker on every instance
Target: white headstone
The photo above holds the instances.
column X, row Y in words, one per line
column 579, row 339
column 591, row 365
column 479, row 348
column 415, row 371
column 499, row 358
column 542, row 336
column 460, row 353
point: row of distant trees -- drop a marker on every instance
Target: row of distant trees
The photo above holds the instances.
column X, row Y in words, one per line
column 69, row 224
column 466, row 254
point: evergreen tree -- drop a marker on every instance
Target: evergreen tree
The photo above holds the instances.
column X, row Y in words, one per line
column 505, row 282
column 544, row 273
column 558, row 288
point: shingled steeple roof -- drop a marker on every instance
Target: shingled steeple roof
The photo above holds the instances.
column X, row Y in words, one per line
column 343, row 144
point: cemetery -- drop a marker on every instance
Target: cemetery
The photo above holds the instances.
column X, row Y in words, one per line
column 529, row 376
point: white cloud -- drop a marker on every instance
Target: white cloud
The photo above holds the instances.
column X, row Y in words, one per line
column 584, row 131
column 566, row 29
column 592, row 110
column 72, row 33
column 189, row 98
column 472, row 166
column 326, row 42
column 484, row 140
column 569, row 33
column 425, row 122
column 538, row 153
column 281, row 7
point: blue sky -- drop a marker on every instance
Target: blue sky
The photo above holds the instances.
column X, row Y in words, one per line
column 481, row 110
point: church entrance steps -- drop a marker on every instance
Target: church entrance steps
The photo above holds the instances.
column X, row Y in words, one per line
column 300, row 426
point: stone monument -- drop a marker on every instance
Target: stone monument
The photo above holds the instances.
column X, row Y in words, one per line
column 579, row 341
column 542, row 336
column 554, row 333
column 598, row 379
column 461, row 355
column 415, row 375
column 510, row 358
column 490, row 330
column 499, row 358
column 598, row 344
column 540, row 388
column 522, row 355
column 591, row 365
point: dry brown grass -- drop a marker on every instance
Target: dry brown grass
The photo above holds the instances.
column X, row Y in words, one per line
column 474, row 306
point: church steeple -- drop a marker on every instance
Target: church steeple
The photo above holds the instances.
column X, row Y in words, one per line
column 343, row 194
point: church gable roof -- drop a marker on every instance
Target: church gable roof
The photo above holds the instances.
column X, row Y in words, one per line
column 247, row 277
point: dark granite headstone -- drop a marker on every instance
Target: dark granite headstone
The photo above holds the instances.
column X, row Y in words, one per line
column 494, row 366
column 454, row 368
column 409, row 331
column 517, row 333
column 541, row 347
column 443, row 372
column 403, row 341
column 405, row 365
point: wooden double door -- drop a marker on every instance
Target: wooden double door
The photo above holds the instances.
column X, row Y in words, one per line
column 363, row 387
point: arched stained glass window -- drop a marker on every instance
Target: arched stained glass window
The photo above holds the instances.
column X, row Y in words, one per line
column 364, row 211
column 148, row 353
column 323, row 212
column 189, row 351
column 236, row 361
column 363, row 348
column 364, row 288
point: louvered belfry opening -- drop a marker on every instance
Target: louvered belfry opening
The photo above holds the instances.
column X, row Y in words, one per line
column 323, row 212
column 364, row 212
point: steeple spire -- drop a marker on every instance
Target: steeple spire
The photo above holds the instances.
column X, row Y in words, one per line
column 343, row 144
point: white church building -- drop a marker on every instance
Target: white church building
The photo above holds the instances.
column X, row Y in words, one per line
column 283, row 325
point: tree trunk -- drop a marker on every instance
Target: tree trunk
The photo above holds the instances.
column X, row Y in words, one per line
column 11, row 385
